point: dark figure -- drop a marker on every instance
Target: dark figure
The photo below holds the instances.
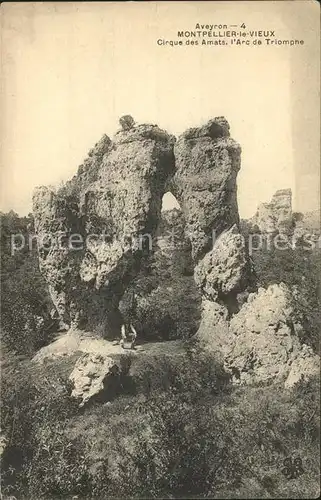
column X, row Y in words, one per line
column 128, row 332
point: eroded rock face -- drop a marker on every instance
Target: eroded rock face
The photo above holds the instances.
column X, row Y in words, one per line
column 276, row 215
column 207, row 162
column 225, row 268
column 88, row 172
column 56, row 218
column 254, row 333
column 263, row 339
column 213, row 333
column 111, row 205
column 304, row 366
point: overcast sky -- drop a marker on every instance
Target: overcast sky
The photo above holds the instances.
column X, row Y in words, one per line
column 71, row 70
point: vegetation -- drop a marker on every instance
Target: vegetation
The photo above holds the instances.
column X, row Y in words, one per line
column 182, row 430
column 299, row 269
column 197, row 438
column 26, row 324
column 168, row 304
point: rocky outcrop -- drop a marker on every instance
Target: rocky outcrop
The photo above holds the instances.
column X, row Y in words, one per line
column 213, row 332
column 224, row 269
column 88, row 171
column 264, row 343
column 114, row 201
column 207, row 164
column 275, row 216
column 116, row 198
column 56, row 219
column 111, row 209
column 303, row 367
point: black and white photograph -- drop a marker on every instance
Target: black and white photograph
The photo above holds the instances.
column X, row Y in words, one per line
column 160, row 250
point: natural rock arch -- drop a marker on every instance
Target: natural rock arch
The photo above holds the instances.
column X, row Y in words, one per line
column 119, row 192
column 122, row 198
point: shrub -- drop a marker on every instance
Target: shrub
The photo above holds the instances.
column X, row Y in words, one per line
column 299, row 269
column 26, row 324
column 228, row 445
column 33, row 398
column 166, row 311
column 192, row 375
column 126, row 122
column 198, row 438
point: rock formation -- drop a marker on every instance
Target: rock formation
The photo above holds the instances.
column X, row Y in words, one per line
column 92, row 376
column 88, row 172
column 265, row 342
column 207, row 164
column 253, row 333
column 276, row 215
column 56, row 218
column 115, row 199
column 224, row 269
column 304, row 366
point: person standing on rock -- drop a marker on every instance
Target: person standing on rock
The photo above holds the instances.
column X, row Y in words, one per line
column 128, row 330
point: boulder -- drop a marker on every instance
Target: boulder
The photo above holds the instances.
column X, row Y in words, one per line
column 93, row 376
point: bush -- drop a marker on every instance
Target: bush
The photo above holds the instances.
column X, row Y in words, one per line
column 59, row 468
column 166, row 311
column 299, row 269
column 190, row 374
column 33, row 398
column 225, row 446
column 26, row 324
column 198, row 438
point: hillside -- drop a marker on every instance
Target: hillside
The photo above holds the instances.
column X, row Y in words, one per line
column 220, row 393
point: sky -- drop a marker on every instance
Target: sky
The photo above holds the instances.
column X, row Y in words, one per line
column 70, row 70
